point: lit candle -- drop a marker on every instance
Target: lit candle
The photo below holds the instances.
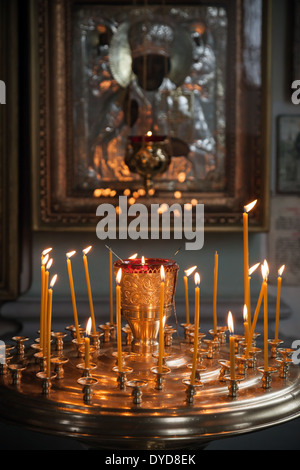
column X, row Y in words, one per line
column 246, row 323
column 264, row 270
column 251, row 271
column 87, row 343
column 111, row 287
column 247, row 209
column 161, row 320
column 118, row 308
column 49, row 320
column 279, row 282
column 266, row 345
column 188, row 272
column 232, row 346
column 133, row 256
column 87, row 276
column 46, row 286
column 215, row 291
column 69, row 255
column 196, row 327
column 44, row 260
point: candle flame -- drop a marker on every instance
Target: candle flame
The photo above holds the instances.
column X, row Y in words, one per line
column 230, row 322
column 88, row 327
column 49, row 264
column 133, row 256
column 281, row 270
column 70, row 254
column 253, row 269
column 190, row 271
column 162, row 273
column 87, row 250
column 265, row 271
column 143, row 260
column 245, row 313
column 46, row 251
column 119, row 276
column 53, row 280
column 197, row 279
column 45, row 260
column 250, row 206
column 149, row 133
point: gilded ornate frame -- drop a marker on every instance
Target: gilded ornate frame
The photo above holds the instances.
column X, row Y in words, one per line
column 54, row 207
column 9, row 164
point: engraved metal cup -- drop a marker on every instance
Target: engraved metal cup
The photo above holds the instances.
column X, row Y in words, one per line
column 140, row 298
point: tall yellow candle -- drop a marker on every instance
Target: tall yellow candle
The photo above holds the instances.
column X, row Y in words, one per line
column 161, row 320
column 88, row 283
column 111, row 287
column 279, row 282
column 118, row 314
column 46, row 286
column 266, row 345
column 196, row 327
column 69, row 255
column 249, row 307
column 247, row 209
column 87, row 344
column 231, row 346
column 246, row 323
column 215, row 292
column 264, row 270
column 188, row 272
column 44, row 260
column 49, row 321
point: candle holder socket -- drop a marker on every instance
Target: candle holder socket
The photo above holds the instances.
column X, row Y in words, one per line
column 199, row 369
column 274, row 347
column 46, row 381
column 108, row 332
column 160, row 376
column 137, row 386
column 285, row 361
column 88, row 383
column 20, row 340
column 86, row 370
column 16, row 372
column 267, row 376
column 59, row 339
column 59, row 362
column 191, row 389
column 233, row 385
column 122, row 375
column 252, row 358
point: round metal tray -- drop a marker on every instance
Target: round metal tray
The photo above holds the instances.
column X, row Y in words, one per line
column 164, row 419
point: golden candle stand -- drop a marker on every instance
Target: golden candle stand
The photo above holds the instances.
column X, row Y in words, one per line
column 137, row 407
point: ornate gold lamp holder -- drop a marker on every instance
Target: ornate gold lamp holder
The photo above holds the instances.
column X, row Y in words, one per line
column 136, row 405
column 148, row 156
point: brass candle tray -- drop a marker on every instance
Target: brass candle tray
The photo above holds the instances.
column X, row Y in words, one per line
column 137, row 408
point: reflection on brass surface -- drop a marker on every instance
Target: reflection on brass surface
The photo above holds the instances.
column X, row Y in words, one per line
column 140, row 298
column 109, row 418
